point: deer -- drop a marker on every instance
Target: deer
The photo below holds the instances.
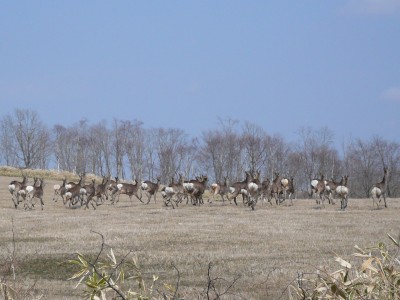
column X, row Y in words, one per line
column 71, row 184
column 130, row 189
column 34, row 191
column 254, row 188
column 288, row 189
column 14, row 187
column 174, row 189
column 319, row 189
column 343, row 192
column 111, row 186
column 221, row 189
column 197, row 191
column 379, row 190
column 89, row 191
column 60, row 190
column 265, row 190
column 239, row 188
column 314, row 183
column 276, row 188
column 189, row 187
column 101, row 190
column 330, row 189
column 73, row 194
column 151, row 189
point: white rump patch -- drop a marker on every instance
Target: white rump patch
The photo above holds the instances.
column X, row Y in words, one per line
column 29, row 189
column 342, row 190
column 56, row 186
column 119, row 186
column 169, row 190
column 21, row 192
column 68, row 186
column 214, row 185
column 188, row 186
column 376, row 192
column 144, row 186
column 231, row 190
column 68, row 195
column 314, row 183
column 244, row 192
column 82, row 191
column 252, row 186
column 284, row 182
column 11, row 188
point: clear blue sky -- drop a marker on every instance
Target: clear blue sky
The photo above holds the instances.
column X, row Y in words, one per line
column 185, row 64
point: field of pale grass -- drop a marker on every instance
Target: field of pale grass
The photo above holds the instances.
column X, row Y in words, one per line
column 265, row 248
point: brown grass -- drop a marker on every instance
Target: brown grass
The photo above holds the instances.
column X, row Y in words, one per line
column 266, row 247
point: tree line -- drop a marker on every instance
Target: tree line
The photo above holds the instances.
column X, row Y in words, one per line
column 125, row 148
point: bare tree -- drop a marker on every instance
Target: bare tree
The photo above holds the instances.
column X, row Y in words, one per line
column 363, row 163
column 27, row 137
column 8, row 142
column 150, row 154
column 318, row 156
column 213, row 153
column 388, row 155
column 278, row 152
column 99, row 153
column 135, row 148
column 222, row 152
column 65, row 147
column 255, row 146
column 118, row 141
column 169, row 143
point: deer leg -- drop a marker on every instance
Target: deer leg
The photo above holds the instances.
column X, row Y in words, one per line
column 140, row 198
column 234, row 200
column 15, row 201
column 148, row 197
column 113, row 195
column 41, row 202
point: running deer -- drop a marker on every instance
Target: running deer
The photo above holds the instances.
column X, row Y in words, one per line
column 239, row 187
column 101, row 190
column 265, row 191
column 174, row 189
column 89, row 191
column 34, row 191
column 343, row 193
column 59, row 190
column 330, row 189
column 151, row 189
column 319, row 189
column 199, row 186
column 288, row 189
column 254, row 188
column 130, row 189
column 221, row 189
column 14, row 187
column 73, row 193
column 276, row 188
column 379, row 190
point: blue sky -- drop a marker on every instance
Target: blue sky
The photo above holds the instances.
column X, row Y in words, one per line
column 186, row 64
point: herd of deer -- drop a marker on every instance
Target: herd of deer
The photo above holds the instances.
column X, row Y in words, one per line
column 73, row 193
column 251, row 189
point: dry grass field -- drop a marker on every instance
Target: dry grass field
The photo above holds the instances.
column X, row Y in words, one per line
column 266, row 247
